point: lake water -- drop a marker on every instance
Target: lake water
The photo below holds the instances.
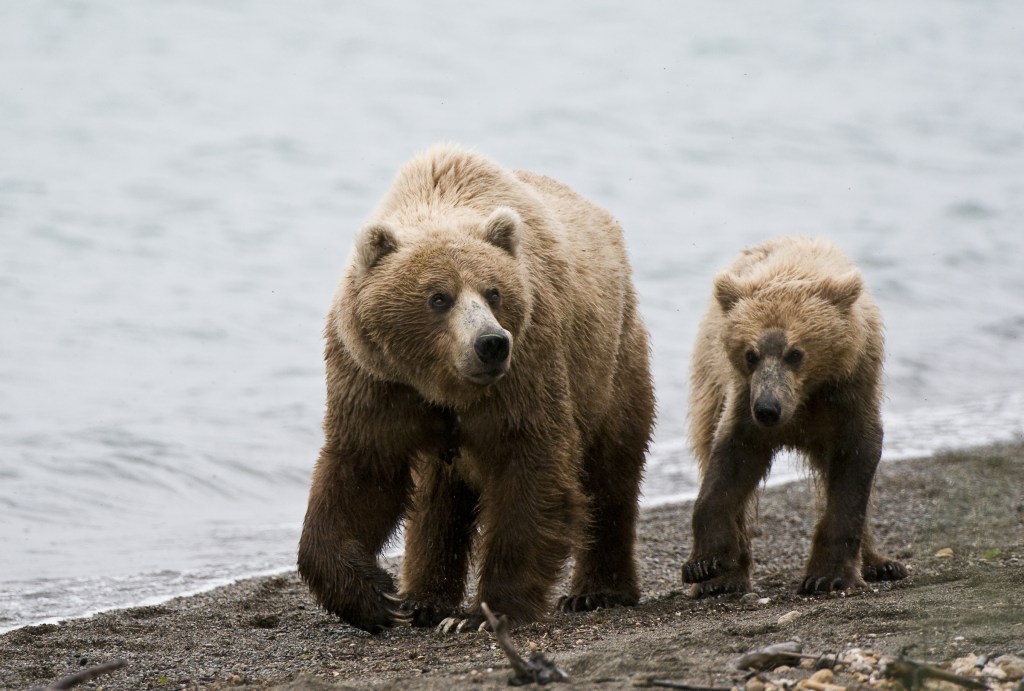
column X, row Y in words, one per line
column 180, row 184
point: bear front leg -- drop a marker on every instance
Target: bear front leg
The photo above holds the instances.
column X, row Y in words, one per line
column 835, row 562
column 438, row 536
column 720, row 561
column 531, row 516
column 355, row 503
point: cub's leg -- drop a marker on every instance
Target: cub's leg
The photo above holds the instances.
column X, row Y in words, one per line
column 840, row 550
column 438, row 537
column 720, row 561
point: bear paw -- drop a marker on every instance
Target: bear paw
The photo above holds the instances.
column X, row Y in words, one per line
column 468, row 623
column 709, row 568
column 423, row 613
column 886, row 570
column 590, row 601
column 814, row 585
column 723, row 585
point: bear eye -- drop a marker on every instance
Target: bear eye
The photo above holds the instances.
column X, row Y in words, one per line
column 493, row 298
column 442, row 302
column 752, row 358
column 794, row 357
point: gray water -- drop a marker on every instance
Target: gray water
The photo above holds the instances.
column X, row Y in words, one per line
column 180, row 183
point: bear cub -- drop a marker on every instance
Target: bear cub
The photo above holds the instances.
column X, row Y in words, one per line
column 788, row 355
column 487, row 383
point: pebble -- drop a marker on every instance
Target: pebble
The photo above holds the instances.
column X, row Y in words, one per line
column 944, row 553
column 755, row 684
column 788, row 617
column 823, row 676
column 764, row 601
column 750, row 598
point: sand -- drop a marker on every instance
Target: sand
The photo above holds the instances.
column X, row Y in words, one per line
column 957, row 519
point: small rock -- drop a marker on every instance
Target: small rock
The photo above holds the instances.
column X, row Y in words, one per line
column 823, row 676
column 764, row 601
column 755, row 684
column 749, row 598
column 944, row 553
column 788, row 617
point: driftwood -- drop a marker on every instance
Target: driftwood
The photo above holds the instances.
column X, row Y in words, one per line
column 537, row 670
column 666, row 684
column 772, row 656
column 87, row 674
column 913, row 674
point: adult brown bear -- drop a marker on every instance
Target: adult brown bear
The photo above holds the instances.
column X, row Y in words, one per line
column 487, row 381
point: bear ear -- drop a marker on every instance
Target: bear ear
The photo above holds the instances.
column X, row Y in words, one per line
column 375, row 241
column 842, row 291
column 728, row 291
column 501, row 229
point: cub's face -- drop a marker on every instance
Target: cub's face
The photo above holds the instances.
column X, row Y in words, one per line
column 444, row 311
column 784, row 340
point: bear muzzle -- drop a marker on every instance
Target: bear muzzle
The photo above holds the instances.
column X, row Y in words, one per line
column 492, row 349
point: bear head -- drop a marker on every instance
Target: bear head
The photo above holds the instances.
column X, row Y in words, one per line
column 439, row 307
column 786, row 338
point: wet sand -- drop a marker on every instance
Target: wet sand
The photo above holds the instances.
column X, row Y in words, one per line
column 956, row 519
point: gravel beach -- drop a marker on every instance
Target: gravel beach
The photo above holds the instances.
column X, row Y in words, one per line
column 956, row 519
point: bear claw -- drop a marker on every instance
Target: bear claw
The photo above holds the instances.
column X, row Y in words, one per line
column 702, row 570
column 825, row 584
column 424, row 614
column 886, row 571
column 458, row 625
column 592, row 601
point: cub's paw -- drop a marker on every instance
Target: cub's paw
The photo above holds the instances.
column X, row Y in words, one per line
column 885, row 570
column 588, row 602
column 424, row 613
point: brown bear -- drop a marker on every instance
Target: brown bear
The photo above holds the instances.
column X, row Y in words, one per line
column 788, row 355
column 487, row 381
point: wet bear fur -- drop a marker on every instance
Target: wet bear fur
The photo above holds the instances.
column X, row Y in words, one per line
column 487, row 382
column 788, row 356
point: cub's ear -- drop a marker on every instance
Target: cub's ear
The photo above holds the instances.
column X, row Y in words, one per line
column 842, row 291
column 375, row 241
column 729, row 291
column 502, row 229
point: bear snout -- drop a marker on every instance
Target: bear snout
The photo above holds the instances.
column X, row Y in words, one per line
column 767, row 411
column 492, row 348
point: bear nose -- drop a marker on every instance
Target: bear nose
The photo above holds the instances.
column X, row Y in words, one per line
column 767, row 411
column 491, row 348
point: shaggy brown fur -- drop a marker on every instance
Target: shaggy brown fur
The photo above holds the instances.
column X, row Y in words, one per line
column 487, row 380
column 789, row 355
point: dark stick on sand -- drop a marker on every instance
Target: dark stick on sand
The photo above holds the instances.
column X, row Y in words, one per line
column 537, row 670
column 87, row 674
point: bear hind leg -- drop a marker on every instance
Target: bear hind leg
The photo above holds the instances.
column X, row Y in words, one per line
column 438, row 537
column 605, row 570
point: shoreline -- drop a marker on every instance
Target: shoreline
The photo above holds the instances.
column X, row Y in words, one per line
column 265, row 632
